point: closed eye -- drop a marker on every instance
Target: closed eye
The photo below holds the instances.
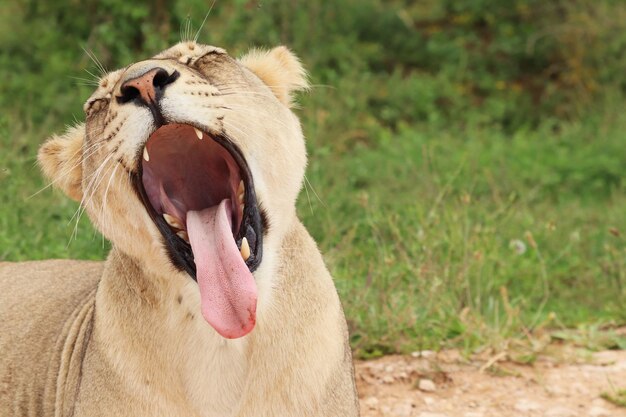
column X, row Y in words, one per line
column 96, row 104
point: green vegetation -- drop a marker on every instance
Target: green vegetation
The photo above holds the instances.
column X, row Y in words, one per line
column 467, row 177
column 618, row 398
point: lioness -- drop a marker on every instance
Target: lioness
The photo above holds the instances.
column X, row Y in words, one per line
column 214, row 300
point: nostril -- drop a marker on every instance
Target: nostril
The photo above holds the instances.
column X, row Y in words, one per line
column 129, row 93
column 162, row 78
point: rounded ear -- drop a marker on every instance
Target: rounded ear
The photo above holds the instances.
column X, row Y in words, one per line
column 60, row 158
column 280, row 69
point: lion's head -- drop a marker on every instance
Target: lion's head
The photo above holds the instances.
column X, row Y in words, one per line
column 191, row 162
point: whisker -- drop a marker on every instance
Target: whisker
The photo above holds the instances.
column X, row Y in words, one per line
column 195, row 39
column 185, row 30
column 306, row 190
column 90, row 186
column 75, row 119
column 92, row 74
column 227, row 92
column 68, row 170
column 80, row 212
column 104, row 202
column 306, row 181
column 233, row 127
column 96, row 61
column 241, row 84
column 83, row 203
column 243, row 109
column 85, row 81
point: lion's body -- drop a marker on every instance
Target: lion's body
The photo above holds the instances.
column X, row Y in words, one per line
column 64, row 354
column 128, row 336
column 43, row 306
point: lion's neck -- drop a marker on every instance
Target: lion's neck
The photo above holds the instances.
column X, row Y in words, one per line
column 151, row 330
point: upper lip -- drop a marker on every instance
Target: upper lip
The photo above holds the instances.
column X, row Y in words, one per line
column 249, row 227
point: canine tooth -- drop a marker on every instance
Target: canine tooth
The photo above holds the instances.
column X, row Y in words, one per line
column 241, row 207
column 183, row 235
column 198, row 133
column 245, row 249
column 240, row 191
column 173, row 221
column 145, row 154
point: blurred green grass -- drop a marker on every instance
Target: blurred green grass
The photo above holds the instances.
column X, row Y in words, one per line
column 423, row 235
column 464, row 187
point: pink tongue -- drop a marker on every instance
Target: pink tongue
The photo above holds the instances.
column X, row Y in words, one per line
column 227, row 287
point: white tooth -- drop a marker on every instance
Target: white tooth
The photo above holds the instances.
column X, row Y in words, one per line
column 245, row 249
column 183, row 235
column 198, row 133
column 173, row 221
column 145, row 154
column 241, row 207
column 240, row 191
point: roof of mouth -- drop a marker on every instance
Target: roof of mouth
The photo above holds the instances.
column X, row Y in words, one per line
column 187, row 170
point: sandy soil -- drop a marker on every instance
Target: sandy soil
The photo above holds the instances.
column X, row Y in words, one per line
column 444, row 385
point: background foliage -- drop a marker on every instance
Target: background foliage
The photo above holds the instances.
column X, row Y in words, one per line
column 467, row 161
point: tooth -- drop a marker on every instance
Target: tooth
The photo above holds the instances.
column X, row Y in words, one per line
column 183, row 235
column 245, row 249
column 241, row 207
column 198, row 133
column 173, row 221
column 145, row 154
column 240, row 191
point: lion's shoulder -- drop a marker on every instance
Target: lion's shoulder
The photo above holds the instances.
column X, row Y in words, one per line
column 46, row 309
column 38, row 296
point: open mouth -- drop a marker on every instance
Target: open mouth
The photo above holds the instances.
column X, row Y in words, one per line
column 199, row 192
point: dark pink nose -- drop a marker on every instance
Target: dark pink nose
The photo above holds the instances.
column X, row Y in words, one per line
column 147, row 88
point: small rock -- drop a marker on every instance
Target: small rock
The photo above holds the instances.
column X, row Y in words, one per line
column 423, row 354
column 402, row 410
column 371, row 380
column 371, row 403
column 387, row 379
column 596, row 411
column 555, row 391
column 429, row 400
column 473, row 414
column 607, row 357
column 389, row 369
column 450, row 356
column 559, row 412
column 426, row 385
column 526, row 405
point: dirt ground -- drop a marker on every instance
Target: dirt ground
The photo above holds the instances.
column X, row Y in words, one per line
column 443, row 384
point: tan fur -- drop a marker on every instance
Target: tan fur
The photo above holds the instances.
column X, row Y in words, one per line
column 280, row 70
column 64, row 151
column 125, row 337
